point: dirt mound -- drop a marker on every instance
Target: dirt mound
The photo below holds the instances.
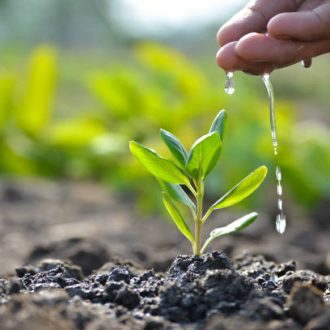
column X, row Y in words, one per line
column 209, row 292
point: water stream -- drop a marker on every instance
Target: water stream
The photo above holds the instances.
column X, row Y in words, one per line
column 280, row 221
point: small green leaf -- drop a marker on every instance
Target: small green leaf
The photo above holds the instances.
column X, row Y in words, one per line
column 178, row 194
column 160, row 167
column 219, row 123
column 243, row 189
column 175, row 146
column 204, row 155
column 235, row 226
column 177, row 217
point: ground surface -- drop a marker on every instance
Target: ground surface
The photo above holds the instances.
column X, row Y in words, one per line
column 98, row 288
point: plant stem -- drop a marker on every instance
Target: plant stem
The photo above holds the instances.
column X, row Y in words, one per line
column 199, row 216
column 191, row 188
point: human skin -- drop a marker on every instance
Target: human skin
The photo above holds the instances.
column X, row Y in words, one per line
column 270, row 34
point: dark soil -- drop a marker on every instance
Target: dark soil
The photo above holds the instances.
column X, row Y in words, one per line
column 75, row 257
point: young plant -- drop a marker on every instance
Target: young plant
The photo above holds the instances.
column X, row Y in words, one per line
column 190, row 169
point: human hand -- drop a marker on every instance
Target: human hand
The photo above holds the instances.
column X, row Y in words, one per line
column 270, row 34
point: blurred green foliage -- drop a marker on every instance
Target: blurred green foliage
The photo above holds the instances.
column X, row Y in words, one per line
column 131, row 99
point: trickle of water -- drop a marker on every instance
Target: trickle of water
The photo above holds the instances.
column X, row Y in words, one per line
column 229, row 83
column 280, row 222
column 278, row 173
column 272, row 115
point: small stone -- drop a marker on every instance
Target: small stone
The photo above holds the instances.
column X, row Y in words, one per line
column 59, row 266
column 321, row 322
column 14, row 287
column 305, row 304
column 120, row 274
column 302, row 277
column 128, row 298
column 21, row 271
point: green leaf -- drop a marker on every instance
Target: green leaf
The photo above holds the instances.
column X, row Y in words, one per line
column 177, row 217
column 219, row 123
column 243, row 189
column 235, row 226
column 35, row 108
column 178, row 194
column 204, row 155
column 160, row 167
column 175, row 146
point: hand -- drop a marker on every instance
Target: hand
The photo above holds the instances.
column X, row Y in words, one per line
column 270, row 34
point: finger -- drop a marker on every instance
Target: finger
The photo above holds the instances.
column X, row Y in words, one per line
column 256, row 48
column 253, row 18
column 228, row 59
column 311, row 25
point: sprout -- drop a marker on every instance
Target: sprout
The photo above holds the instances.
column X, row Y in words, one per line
column 190, row 169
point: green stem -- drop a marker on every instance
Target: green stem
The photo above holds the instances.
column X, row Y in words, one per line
column 199, row 216
column 191, row 188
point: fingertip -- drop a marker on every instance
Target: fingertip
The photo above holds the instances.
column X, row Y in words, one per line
column 227, row 58
column 248, row 47
column 225, row 35
column 280, row 26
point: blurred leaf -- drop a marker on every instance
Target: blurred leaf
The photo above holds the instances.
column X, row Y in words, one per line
column 75, row 133
column 118, row 90
column 36, row 108
column 6, row 95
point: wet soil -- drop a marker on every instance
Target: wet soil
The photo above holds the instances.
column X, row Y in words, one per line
column 73, row 256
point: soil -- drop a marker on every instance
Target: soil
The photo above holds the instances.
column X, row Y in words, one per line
column 74, row 256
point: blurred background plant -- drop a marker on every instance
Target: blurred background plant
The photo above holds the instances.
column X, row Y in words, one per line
column 79, row 79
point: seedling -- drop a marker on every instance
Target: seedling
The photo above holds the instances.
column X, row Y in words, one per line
column 190, row 169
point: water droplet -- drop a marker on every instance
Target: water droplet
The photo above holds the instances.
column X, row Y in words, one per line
column 278, row 173
column 306, row 62
column 279, row 189
column 229, row 83
column 280, row 223
column 280, row 204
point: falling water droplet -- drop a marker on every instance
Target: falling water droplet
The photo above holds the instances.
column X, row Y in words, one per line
column 278, row 173
column 279, row 189
column 280, row 223
column 229, row 83
column 280, row 204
